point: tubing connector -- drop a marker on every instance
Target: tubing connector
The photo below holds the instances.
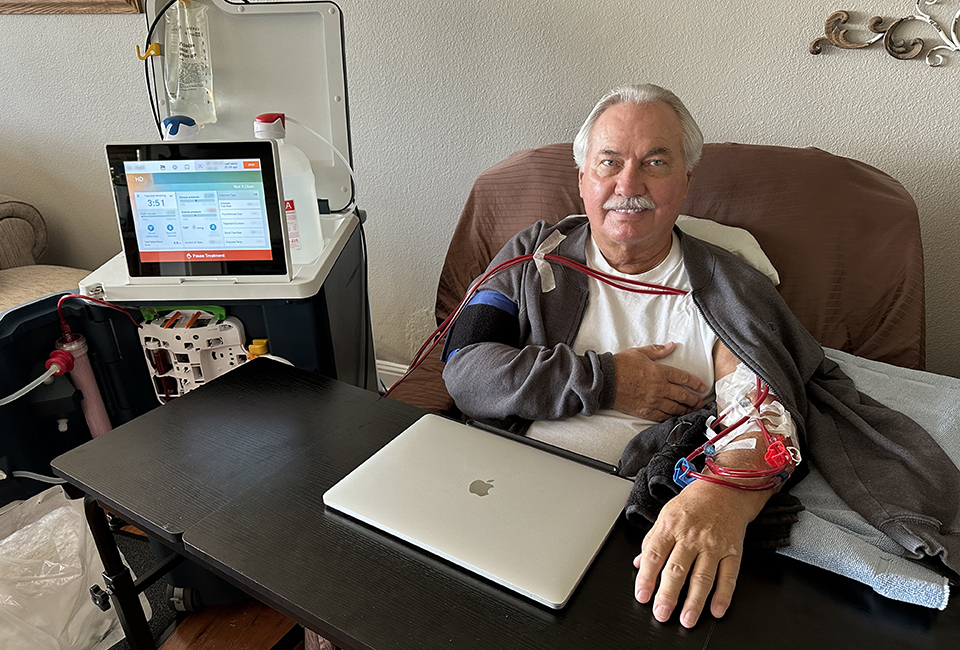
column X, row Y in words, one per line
column 62, row 359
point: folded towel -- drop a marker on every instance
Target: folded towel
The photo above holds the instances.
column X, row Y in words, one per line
column 835, row 538
column 832, row 536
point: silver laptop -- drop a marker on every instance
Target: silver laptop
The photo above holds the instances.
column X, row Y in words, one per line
column 520, row 516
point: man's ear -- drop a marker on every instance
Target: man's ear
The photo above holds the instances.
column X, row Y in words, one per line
column 580, row 182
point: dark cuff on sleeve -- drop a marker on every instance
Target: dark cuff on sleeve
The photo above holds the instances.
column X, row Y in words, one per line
column 488, row 317
column 609, row 389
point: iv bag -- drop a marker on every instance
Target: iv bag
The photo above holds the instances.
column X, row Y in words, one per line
column 187, row 71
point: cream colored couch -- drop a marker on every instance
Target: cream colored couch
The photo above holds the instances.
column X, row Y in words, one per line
column 23, row 238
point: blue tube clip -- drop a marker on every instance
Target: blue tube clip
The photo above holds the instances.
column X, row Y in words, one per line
column 681, row 473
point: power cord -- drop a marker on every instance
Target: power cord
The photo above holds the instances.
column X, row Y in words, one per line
column 154, row 100
column 368, row 337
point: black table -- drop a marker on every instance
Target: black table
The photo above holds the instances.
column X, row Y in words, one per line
column 232, row 476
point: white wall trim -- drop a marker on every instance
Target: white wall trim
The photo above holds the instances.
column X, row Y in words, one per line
column 390, row 372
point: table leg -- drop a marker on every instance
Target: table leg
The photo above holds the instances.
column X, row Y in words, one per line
column 118, row 579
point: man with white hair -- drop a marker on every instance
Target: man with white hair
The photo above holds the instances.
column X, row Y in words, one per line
column 544, row 349
column 637, row 359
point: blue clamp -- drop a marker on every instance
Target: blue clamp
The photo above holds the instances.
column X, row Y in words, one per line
column 681, row 473
column 709, row 450
column 179, row 127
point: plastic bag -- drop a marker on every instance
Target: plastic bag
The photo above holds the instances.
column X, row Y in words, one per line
column 187, row 71
column 48, row 562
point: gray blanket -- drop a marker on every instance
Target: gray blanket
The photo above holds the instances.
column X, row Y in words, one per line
column 832, row 536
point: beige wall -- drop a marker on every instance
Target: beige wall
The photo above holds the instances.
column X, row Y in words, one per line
column 440, row 90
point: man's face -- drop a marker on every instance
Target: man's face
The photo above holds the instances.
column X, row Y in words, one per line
column 633, row 183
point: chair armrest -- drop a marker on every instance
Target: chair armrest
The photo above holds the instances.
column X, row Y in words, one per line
column 23, row 233
column 425, row 388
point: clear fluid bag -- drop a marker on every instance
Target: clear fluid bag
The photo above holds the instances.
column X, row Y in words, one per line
column 187, row 69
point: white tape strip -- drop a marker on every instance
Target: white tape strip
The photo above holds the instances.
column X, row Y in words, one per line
column 732, row 397
column 746, row 443
column 547, row 281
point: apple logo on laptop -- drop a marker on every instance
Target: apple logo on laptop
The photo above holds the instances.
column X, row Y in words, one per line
column 481, row 488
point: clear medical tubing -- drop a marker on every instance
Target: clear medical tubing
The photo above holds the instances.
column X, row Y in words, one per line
column 82, row 375
column 54, row 369
column 329, row 222
column 38, row 477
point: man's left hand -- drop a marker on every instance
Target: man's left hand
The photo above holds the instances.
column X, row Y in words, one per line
column 698, row 533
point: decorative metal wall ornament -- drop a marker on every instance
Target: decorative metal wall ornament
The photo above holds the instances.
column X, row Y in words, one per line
column 836, row 34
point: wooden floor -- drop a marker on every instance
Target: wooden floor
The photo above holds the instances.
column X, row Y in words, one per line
column 244, row 625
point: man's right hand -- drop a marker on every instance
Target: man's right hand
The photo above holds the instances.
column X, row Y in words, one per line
column 654, row 391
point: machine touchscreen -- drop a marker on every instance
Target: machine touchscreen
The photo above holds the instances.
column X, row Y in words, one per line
column 199, row 209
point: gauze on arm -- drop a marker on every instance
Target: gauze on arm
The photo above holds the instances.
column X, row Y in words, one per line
column 734, row 401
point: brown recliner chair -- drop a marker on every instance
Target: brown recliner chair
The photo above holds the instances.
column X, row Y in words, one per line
column 844, row 237
column 23, row 238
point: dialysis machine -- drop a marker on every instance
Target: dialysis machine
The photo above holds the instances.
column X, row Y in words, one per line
column 205, row 302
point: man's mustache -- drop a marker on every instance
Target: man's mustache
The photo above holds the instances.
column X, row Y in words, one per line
column 629, row 203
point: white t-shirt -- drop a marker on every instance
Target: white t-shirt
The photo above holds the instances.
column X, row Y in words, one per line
column 617, row 320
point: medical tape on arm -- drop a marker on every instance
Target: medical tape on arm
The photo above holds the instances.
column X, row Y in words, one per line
column 547, row 281
column 734, row 402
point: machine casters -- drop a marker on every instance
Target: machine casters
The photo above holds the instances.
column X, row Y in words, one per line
column 184, row 599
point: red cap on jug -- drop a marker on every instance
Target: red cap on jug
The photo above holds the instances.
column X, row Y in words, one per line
column 270, row 125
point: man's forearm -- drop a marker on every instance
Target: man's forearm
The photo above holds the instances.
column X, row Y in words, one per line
column 756, row 458
column 767, row 422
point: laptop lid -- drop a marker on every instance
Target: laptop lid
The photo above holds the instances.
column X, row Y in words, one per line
column 515, row 514
column 200, row 210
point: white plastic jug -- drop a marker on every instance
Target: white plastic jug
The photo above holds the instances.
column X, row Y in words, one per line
column 299, row 191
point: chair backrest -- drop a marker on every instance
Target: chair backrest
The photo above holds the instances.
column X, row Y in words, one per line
column 844, row 236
